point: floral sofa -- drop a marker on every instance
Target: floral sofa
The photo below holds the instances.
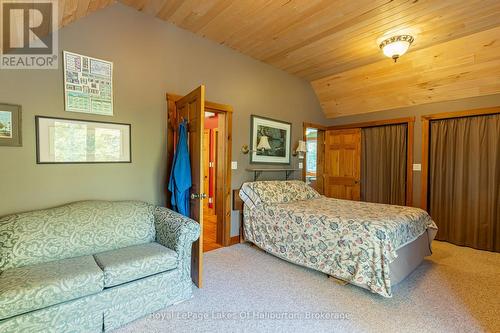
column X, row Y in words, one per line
column 92, row 266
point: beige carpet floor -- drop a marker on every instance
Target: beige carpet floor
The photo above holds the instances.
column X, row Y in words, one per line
column 457, row 289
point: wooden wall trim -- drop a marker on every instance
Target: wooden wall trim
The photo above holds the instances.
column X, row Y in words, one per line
column 304, row 137
column 234, row 240
column 425, row 163
column 229, row 154
column 465, row 113
column 426, row 119
column 373, row 123
column 409, row 162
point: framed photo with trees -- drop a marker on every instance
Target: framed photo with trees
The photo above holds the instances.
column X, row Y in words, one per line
column 61, row 140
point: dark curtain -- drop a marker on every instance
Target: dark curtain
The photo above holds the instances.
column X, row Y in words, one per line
column 465, row 180
column 383, row 164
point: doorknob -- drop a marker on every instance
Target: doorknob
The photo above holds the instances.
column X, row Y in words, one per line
column 198, row 196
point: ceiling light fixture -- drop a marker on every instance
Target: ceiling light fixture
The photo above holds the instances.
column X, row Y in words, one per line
column 394, row 47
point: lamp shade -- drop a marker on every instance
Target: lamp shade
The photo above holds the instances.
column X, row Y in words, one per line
column 263, row 143
column 301, row 148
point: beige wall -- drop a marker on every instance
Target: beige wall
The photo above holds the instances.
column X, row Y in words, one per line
column 417, row 112
column 150, row 58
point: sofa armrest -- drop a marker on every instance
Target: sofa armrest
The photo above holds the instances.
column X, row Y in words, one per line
column 178, row 233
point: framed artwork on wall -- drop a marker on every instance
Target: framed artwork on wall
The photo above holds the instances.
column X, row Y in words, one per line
column 61, row 140
column 270, row 140
column 88, row 84
column 10, row 125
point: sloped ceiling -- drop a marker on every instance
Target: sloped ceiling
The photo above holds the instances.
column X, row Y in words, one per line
column 334, row 44
column 72, row 10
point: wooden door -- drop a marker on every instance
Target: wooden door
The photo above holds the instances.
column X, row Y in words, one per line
column 192, row 108
column 343, row 164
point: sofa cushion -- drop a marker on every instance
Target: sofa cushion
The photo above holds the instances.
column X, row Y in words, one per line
column 73, row 230
column 135, row 262
column 28, row 288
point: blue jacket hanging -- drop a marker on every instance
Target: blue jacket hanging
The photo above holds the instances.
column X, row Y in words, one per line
column 180, row 175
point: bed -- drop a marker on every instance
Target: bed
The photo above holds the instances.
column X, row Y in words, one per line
column 374, row 246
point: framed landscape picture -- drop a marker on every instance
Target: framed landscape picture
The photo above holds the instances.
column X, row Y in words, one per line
column 60, row 140
column 270, row 140
column 10, row 125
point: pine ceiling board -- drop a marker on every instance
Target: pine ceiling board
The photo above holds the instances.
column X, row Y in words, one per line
column 60, row 12
column 153, row 7
column 194, row 14
column 72, row 10
column 137, row 4
column 464, row 67
column 292, row 15
column 328, row 55
column 169, row 8
column 341, row 46
column 239, row 17
column 438, row 32
column 94, row 5
column 275, row 19
column 241, row 22
column 82, row 9
column 69, row 12
column 311, row 28
column 424, row 79
column 328, row 22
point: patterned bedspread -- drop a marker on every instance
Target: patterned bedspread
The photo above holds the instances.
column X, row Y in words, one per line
column 351, row 240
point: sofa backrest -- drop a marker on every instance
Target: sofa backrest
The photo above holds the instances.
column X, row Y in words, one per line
column 276, row 191
column 75, row 229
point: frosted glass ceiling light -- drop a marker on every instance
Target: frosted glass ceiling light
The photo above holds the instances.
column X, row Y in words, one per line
column 394, row 47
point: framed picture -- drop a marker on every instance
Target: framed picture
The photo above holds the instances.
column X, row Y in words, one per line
column 270, row 140
column 88, row 84
column 60, row 140
column 10, row 125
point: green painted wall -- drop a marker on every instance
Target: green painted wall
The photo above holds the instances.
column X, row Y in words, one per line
column 150, row 58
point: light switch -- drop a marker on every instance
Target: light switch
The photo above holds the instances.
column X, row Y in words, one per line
column 301, row 165
column 417, row 167
column 234, row 165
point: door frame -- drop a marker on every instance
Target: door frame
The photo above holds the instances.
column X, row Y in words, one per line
column 223, row 198
column 305, row 126
column 410, row 122
column 426, row 134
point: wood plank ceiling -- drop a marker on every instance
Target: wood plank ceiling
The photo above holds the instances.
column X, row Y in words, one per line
column 72, row 10
column 332, row 43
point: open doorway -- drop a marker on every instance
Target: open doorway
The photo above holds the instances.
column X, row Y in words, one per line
column 214, row 165
column 314, row 136
column 211, row 146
